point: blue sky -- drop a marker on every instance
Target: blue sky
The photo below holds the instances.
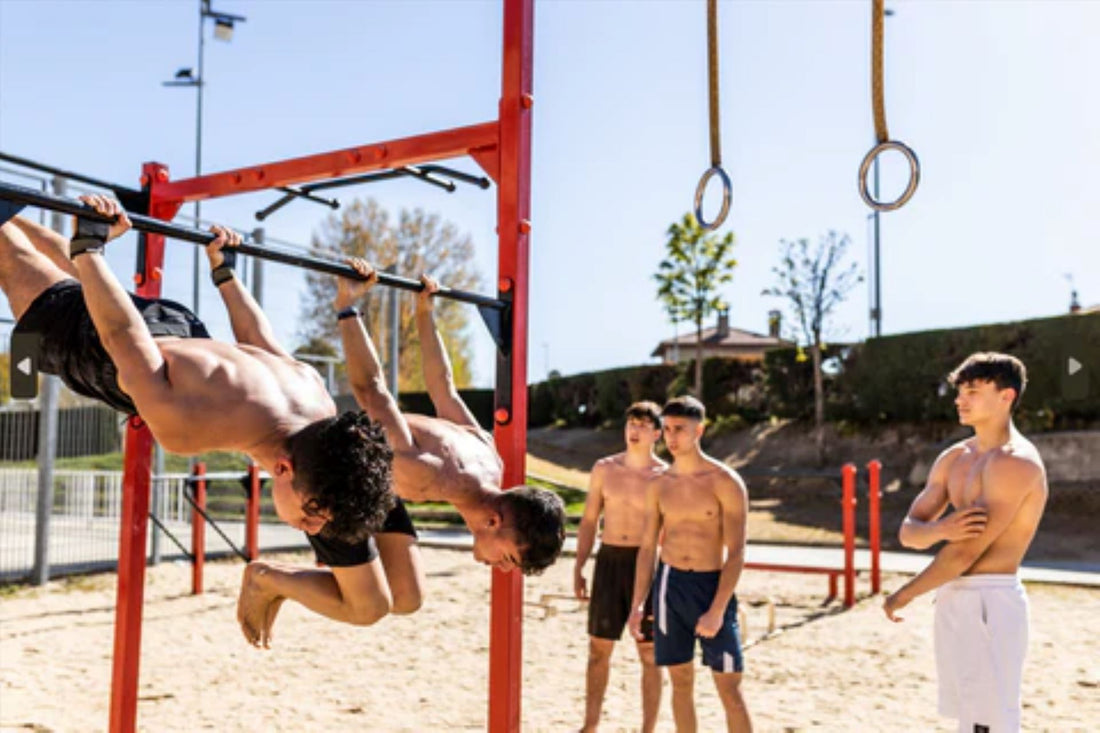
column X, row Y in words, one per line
column 999, row 100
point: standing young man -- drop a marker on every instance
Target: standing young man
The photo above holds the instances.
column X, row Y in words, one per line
column 617, row 491
column 701, row 505
column 996, row 483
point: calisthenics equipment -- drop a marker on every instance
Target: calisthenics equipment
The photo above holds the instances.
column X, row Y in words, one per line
column 715, row 131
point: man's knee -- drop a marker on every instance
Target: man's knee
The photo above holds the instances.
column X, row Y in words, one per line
column 599, row 650
column 406, row 601
column 682, row 676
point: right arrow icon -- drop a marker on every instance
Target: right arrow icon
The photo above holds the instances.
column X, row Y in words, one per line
column 1072, row 366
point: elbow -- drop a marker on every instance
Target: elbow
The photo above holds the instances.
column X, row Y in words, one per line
column 909, row 539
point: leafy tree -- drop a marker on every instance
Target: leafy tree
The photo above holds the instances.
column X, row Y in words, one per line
column 418, row 242
column 695, row 265
column 814, row 280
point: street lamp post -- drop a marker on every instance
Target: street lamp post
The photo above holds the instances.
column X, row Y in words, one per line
column 223, row 31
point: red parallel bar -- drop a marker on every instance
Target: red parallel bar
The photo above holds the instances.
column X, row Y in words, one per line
column 252, row 521
column 134, row 519
column 432, row 146
column 514, row 226
column 849, row 509
column 198, row 529
column 874, row 496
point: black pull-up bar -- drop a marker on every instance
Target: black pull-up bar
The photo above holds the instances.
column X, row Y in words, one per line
column 22, row 196
column 33, row 165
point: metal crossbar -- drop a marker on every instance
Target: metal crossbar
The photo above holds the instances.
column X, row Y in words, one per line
column 188, row 494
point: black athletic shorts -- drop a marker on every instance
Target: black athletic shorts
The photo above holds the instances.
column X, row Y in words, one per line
column 70, row 347
column 612, row 591
column 337, row 553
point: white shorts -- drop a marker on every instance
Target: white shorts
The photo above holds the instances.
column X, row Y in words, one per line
column 981, row 634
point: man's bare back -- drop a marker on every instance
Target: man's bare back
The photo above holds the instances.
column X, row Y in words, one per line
column 972, row 482
column 691, row 515
column 232, row 396
column 623, row 491
column 447, row 461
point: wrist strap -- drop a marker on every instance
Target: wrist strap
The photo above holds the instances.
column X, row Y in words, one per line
column 350, row 312
column 90, row 236
column 221, row 274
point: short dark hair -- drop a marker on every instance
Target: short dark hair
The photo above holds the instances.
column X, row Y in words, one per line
column 537, row 517
column 1004, row 370
column 645, row 410
column 344, row 467
column 685, row 406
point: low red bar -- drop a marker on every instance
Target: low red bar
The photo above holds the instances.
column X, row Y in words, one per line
column 849, row 500
column 252, row 521
column 433, row 146
column 198, row 529
column 874, row 496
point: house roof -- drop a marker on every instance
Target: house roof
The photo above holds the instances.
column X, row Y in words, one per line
column 735, row 339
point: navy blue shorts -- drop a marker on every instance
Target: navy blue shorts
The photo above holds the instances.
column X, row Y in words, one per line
column 680, row 597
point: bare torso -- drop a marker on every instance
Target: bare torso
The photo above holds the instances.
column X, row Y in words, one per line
column 623, row 491
column 968, row 486
column 691, row 516
column 233, row 397
column 449, row 462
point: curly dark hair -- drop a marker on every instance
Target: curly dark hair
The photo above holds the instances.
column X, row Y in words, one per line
column 537, row 517
column 344, row 466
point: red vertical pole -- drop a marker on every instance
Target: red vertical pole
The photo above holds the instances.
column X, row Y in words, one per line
column 252, row 520
column 198, row 529
column 849, row 502
column 513, row 227
column 874, row 496
column 134, row 519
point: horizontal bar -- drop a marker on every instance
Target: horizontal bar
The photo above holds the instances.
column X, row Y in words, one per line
column 350, row 161
column 43, row 200
column 26, row 163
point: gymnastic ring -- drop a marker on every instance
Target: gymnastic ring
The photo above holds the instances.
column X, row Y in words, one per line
column 914, row 175
column 727, row 194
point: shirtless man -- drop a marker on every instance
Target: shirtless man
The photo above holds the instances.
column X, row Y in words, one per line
column 155, row 359
column 996, row 483
column 701, row 505
column 444, row 458
column 617, row 490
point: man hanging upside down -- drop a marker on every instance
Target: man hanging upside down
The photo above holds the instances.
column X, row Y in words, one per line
column 444, row 458
column 331, row 475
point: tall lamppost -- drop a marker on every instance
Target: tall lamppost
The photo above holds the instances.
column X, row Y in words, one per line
column 223, row 31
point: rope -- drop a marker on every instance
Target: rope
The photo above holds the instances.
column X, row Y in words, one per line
column 712, row 79
column 878, row 16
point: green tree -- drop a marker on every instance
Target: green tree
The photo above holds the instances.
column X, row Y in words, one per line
column 418, row 242
column 695, row 265
column 814, row 281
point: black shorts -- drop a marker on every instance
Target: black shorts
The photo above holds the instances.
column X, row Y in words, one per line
column 69, row 345
column 612, row 591
column 337, row 553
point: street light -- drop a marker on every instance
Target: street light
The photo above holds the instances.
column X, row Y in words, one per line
column 185, row 77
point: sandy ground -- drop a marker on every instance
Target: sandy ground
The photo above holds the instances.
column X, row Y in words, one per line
column 826, row 669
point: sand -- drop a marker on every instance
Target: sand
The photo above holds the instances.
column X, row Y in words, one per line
column 825, row 669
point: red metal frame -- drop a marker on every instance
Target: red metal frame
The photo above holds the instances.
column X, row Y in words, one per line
column 252, row 514
column 198, row 528
column 503, row 149
column 849, row 510
column 874, row 524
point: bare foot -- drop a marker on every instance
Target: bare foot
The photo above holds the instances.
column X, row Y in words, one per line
column 254, row 612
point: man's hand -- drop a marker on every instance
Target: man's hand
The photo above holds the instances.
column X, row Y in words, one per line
column 257, row 607
column 350, row 291
column 580, row 585
column 894, row 603
column 710, row 623
column 108, row 207
column 634, row 623
column 224, row 237
column 962, row 525
column 424, row 302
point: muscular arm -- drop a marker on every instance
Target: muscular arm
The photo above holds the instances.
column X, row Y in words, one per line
column 141, row 368
column 368, row 384
column 586, row 532
column 733, row 499
column 919, row 530
column 249, row 322
column 438, row 376
column 1007, row 483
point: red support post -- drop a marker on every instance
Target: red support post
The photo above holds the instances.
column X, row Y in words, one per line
column 134, row 519
column 849, row 510
column 513, row 227
column 874, row 496
column 198, row 529
column 252, row 520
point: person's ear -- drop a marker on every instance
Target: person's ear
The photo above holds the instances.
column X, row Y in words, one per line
column 284, row 467
column 495, row 520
